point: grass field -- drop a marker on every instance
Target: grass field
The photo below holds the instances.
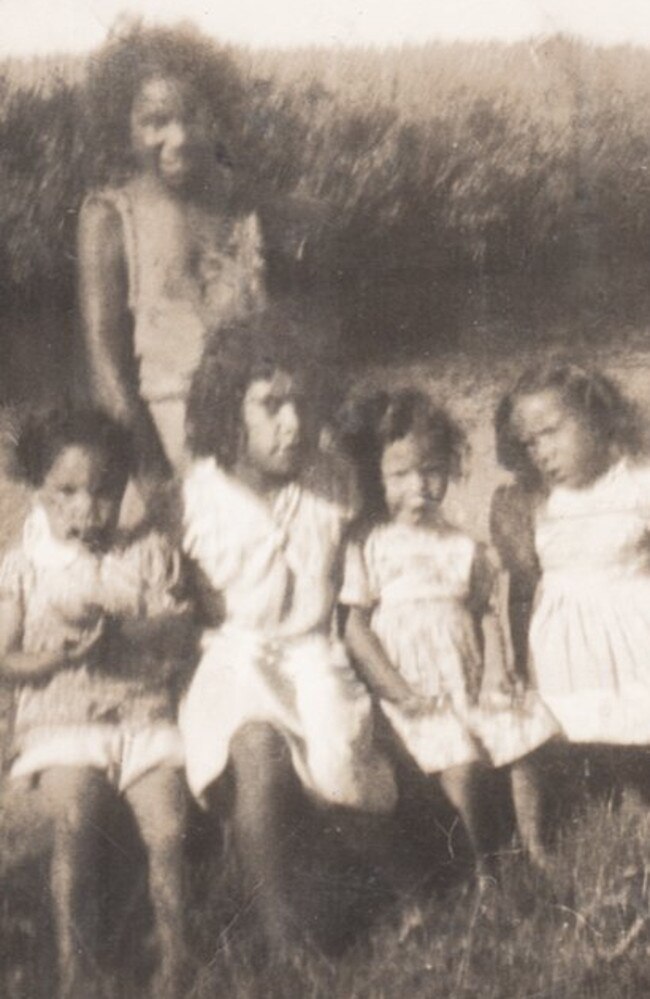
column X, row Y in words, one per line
column 584, row 935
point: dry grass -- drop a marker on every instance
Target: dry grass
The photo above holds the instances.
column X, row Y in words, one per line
column 517, row 941
column 421, row 175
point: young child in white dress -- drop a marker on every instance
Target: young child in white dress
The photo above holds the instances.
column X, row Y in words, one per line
column 87, row 624
column 423, row 621
column 266, row 517
column 572, row 440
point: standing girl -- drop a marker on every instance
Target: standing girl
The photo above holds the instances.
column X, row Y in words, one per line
column 571, row 439
column 422, row 622
column 86, row 625
column 266, row 516
column 165, row 251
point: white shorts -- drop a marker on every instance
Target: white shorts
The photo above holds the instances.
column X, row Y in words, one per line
column 123, row 754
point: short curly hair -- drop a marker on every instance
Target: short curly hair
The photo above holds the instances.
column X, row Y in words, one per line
column 130, row 58
column 39, row 437
column 369, row 424
column 590, row 395
column 271, row 340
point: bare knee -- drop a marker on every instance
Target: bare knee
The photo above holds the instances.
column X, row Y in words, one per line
column 159, row 802
column 73, row 798
column 259, row 754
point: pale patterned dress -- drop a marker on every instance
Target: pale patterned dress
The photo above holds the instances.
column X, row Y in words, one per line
column 425, row 589
column 276, row 568
column 189, row 270
column 590, row 631
column 111, row 712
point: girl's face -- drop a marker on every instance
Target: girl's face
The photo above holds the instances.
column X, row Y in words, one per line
column 415, row 480
column 81, row 500
column 273, row 430
column 170, row 130
column 560, row 445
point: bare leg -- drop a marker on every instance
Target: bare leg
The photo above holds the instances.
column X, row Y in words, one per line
column 528, row 796
column 74, row 798
column 262, row 773
column 462, row 785
column 159, row 803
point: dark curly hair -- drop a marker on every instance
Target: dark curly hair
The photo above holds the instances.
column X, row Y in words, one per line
column 368, row 425
column 274, row 339
column 129, row 59
column 40, row 437
column 593, row 397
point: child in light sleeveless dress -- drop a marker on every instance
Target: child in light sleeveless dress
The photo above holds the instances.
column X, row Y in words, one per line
column 165, row 250
column 572, row 439
column 86, row 628
column 423, row 623
column 266, row 514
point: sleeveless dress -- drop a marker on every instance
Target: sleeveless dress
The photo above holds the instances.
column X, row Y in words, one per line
column 111, row 712
column 275, row 568
column 590, row 630
column 188, row 271
column 425, row 588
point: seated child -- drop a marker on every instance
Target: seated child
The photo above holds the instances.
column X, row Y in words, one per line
column 86, row 625
column 266, row 516
column 423, row 623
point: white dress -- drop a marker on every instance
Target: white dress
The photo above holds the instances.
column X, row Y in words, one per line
column 425, row 588
column 590, row 631
column 276, row 570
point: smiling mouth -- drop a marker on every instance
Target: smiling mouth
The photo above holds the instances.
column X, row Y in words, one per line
column 174, row 168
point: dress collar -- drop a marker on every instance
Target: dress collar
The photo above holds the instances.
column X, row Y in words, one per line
column 46, row 550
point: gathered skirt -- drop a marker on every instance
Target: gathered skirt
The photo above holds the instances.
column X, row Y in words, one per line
column 309, row 692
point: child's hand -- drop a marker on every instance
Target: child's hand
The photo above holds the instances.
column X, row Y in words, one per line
column 75, row 651
column 415, row 704
column 38, row 667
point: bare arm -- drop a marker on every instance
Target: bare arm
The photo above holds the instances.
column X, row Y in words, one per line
column 375, row 667
column 31, row 667
column 107, row 331
column 511, row 523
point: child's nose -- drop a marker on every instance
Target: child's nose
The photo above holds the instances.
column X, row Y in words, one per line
column 289, row 421
column 175, row 135
column 85, row 507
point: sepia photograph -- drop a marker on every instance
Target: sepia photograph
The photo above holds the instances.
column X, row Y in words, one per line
column 325, row 499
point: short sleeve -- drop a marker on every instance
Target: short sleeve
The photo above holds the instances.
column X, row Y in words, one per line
column 13, row 575
column 201, row 492
column 356, row 590
column 144, row 580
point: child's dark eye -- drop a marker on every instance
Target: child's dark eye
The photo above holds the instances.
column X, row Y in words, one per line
column 155, row 121
column 67, row 490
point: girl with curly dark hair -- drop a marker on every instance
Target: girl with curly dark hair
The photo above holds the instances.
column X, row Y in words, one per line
column 573, row 533
column 165, row 248
column 87, row 619
column 423, row 623
column 266, row 513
